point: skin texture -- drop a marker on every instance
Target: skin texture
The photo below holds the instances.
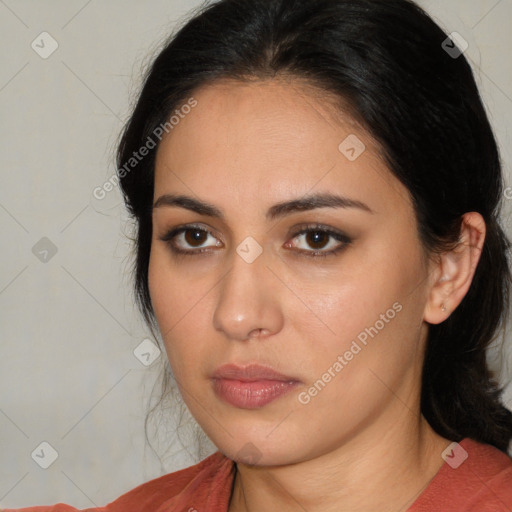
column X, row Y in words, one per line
column 361, row 442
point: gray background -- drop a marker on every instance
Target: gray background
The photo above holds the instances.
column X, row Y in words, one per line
column 68, row 372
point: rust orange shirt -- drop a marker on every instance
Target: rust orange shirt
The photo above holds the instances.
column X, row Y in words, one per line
column 476, row 478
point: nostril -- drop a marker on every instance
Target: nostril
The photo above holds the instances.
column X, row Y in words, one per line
column 254, row 333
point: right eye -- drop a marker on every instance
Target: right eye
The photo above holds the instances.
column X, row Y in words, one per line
column 183, row 239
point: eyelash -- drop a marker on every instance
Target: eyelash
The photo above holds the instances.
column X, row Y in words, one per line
column 317, row 228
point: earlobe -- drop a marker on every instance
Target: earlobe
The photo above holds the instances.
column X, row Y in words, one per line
column 456, row 269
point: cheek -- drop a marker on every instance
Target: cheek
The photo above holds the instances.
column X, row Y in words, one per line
column 347, row 301
column 181, row 299
column 171, row 296
column 371, row 310
column 161, row 289
column 373, row 350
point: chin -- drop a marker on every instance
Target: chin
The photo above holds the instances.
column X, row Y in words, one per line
column 260, row 450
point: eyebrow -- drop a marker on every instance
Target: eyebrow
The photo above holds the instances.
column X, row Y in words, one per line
column 309, row 202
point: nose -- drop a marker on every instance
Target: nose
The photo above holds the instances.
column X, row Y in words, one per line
column 248, row 302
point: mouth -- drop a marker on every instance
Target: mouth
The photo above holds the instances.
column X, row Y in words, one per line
column 252, row 386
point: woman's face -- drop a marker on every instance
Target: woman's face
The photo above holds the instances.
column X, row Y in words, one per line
column 345, row 329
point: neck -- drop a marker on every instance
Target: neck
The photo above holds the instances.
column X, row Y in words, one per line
column 384, row 470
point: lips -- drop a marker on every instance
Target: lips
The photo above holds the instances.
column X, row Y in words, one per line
column 252, row 386
column 250, row 373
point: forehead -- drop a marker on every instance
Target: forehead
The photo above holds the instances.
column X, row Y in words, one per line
column 271, row 118
column 273, row 137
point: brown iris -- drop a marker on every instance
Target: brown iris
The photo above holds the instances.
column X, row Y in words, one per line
column 198, row 236
column 317, row 239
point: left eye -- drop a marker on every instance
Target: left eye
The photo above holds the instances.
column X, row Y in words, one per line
column 317, row 239
column 323, row 241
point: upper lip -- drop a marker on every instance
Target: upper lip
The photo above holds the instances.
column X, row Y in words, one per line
column 249, row 373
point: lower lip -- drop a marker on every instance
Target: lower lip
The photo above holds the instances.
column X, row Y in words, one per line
column 251, row 395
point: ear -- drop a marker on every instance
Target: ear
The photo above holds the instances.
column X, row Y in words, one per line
column 453, row 273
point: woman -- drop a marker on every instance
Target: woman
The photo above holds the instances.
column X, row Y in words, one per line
column 316, row 188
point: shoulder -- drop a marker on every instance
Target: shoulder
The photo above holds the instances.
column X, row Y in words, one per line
column 206, row 485
column 491, row 472
column 476, row 477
